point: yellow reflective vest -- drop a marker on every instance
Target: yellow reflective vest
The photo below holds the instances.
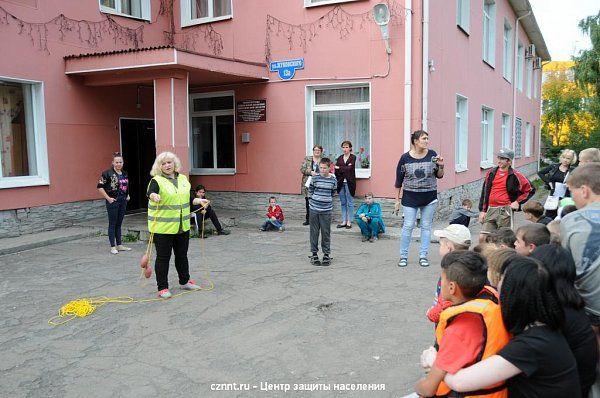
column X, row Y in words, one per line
column 174, row 207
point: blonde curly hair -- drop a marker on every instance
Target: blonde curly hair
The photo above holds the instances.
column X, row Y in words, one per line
column 160, row 159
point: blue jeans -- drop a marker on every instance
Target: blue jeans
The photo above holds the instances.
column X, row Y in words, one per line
column 373, row 228
column 268, row 224
column 116, row 213
column 410, row 217
column 347, row 202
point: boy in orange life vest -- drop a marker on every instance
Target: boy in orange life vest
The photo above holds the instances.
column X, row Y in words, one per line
column 469, row 331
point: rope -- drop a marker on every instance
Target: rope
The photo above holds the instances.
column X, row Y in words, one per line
column 86, row 306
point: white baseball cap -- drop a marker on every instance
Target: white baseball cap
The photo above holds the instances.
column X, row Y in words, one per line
column 456, row 233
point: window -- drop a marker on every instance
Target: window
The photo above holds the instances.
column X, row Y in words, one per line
column 506, row 131
column 213, row 133
column 520, row 61
column 462, row 133
column 529, row 76
column 462, row 14
column 527, row 139
column 518, row 141
column 535, row 84
column 194, row 12
column 489, row 31
column 507, row 52
column 127, row 8
column 487, row 137
column 338, row 113
column 23, row 150
column 312, row 3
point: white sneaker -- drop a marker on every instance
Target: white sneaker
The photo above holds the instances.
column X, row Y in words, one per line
column 114, row 250
column 123, row 248
column 165, row 293
column 191, row 285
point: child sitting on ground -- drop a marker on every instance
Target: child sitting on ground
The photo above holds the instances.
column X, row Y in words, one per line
column 531, row 236
column 274, row 216
column 468, row 331
column 368, row 218
column 453, row 237
column 462, row 215
column 534, row 212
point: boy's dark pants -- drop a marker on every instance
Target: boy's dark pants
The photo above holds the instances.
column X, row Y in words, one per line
column 210, row 213
column 320, row 222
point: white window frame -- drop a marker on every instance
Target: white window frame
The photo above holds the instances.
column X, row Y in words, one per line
column 507, row 60
column 535, row 83
column 528, row 140
column 310, row 107
column 307, row 3
column 220, row 112
column 529, row 66
column 487, row 148
column 145, row 11
column 186, row 14
column 506, row 127
column 489, row 32
column 42, row 176
column 461, row 134
column 520, row 64
column 463, row 14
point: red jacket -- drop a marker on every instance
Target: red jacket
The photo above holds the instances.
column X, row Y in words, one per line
column 277, row 213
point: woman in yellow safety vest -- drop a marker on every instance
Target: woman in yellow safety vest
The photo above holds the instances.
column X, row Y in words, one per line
column 169, row 221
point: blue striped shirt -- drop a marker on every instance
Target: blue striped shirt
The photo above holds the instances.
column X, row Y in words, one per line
column 321, row 191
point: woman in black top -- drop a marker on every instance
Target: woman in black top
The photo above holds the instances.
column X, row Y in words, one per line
column 555, row 175
column 345, row 173
column 577, row 328
column 114, row 187
column 537, row 362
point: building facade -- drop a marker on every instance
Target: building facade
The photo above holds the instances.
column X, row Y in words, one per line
column 242, row 90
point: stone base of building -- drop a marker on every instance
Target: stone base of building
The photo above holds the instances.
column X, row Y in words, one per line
column 46, row 218
column 29, row 220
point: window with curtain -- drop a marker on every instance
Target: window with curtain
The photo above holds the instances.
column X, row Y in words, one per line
column 487, row 137
column 133, row 8
column 212, row 133
column 203, row 11
column 23, row 154
column 462, row 133
column 339, row 114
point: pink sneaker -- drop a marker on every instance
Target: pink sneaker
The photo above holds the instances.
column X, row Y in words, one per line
column 190, row 285
column 165, row 293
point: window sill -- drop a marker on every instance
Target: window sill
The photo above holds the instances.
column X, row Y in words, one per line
column 486, row 165
column 201, row 21
column 363, row 173
column 488, row 63
column 119, row 14
column 465, row 31
column 460, row 168
column 209, row 172
column 325, row 2
column 508, row 80
column 21, row 182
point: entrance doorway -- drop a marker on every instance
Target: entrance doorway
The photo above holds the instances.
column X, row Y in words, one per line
column 139, row 151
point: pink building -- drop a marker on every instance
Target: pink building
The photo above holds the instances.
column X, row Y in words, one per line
column 241, row 90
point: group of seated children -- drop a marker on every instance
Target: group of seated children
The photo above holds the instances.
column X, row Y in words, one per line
column 509, row 320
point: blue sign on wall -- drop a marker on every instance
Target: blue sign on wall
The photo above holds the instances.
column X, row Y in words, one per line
column 286, row 69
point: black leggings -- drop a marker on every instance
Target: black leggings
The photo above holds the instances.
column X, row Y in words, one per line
column 165, row 243
column 307, row 208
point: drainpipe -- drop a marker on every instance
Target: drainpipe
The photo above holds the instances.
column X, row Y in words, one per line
column 407, row 73
column 425, row 62
column 514, row 98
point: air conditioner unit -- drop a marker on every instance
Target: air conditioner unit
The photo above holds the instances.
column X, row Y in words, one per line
column 537, row 63
column 530, row 51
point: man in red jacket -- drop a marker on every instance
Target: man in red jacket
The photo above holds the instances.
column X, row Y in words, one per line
column 504, row 191
column 274, row 216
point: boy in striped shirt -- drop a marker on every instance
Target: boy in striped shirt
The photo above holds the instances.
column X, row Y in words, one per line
column 321, row 190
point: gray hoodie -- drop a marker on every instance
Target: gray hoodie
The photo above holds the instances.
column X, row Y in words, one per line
column 580, row 233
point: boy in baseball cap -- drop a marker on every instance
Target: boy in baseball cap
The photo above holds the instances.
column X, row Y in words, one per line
column 453, row 237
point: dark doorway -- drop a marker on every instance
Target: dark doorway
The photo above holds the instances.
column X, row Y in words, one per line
column 139, row 152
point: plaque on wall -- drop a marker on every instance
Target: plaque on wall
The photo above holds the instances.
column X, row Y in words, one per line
column 251, row 111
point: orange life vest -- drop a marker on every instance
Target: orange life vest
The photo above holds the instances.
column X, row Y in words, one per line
column 495, row 337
